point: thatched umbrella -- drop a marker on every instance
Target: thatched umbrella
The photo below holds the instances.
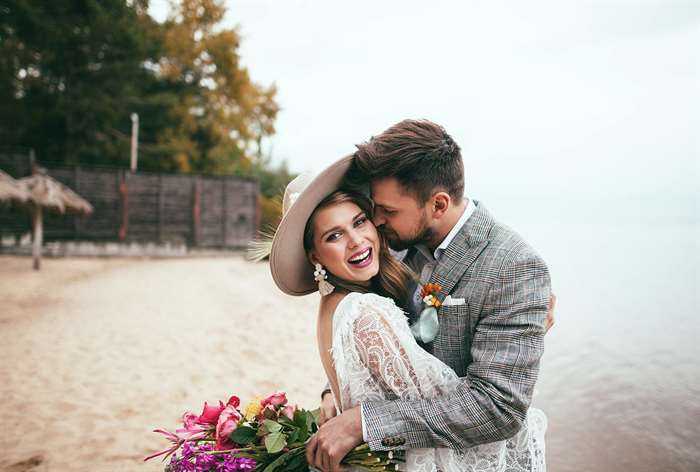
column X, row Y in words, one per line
column 11, row 191
column 46, row 192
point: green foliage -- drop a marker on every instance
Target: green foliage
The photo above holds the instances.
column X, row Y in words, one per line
column 275, row 442
column 73, row 71
column 243, row 435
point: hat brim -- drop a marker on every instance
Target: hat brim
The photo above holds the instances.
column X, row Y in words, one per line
column 290, row 267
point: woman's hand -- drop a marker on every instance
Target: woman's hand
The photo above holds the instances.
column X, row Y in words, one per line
column 327, row 407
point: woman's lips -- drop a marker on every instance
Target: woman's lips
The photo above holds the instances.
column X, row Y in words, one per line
column 365, row 262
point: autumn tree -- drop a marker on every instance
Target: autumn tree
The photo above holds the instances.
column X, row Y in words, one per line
column 72, row 72
column 220, row 115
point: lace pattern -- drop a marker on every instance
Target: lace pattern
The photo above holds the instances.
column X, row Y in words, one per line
column 376, row 358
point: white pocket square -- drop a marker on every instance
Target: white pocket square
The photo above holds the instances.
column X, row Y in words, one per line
column 449, row 301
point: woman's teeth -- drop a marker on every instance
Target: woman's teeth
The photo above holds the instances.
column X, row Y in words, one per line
column 360, row 258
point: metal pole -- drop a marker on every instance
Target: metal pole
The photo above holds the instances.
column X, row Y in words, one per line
column 134, row 141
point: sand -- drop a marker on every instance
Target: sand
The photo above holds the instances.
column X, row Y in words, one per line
column 95, row 353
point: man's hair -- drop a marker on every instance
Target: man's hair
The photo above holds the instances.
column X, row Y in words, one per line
column 419, row 154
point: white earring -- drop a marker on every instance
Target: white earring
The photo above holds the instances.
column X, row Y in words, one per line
column 324, row 286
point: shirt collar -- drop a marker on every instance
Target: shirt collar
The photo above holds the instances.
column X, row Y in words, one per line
column 442, row 247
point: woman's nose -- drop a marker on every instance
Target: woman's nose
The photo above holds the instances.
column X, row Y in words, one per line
column 355, row 238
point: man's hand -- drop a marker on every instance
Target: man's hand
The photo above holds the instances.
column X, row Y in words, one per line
column 549, row 321
column 334, row 439
column 327, row 408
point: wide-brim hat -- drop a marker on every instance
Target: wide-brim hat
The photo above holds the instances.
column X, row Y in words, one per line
column 290, row 267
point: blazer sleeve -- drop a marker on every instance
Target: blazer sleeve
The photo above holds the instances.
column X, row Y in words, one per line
column 491, row 401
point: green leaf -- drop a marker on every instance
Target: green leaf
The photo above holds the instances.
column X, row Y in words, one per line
column 311, row 421
column 275, row 442
column 316, row 414
column 243, row 435
column 293, row 436
column 300, row 420
column 292, row 461
column 285, row 421
column 272, row 426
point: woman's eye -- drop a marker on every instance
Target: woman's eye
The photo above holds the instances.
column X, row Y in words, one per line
column 332, row 237
column 361, row 221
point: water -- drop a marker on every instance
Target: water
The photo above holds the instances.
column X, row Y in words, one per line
column 620, row 379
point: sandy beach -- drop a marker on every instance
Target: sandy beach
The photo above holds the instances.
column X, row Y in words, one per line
column 96, row 353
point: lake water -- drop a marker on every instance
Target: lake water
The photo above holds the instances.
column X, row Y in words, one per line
column 620, row 379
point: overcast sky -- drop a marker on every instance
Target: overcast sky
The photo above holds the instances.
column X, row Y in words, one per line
column 583, row 99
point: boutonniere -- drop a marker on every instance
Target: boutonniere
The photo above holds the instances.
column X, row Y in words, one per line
column 426, row 327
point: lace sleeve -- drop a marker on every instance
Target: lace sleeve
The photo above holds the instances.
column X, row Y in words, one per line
column 377, row 356
column 380, row 351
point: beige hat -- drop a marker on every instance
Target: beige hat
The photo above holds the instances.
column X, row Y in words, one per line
column 291, row 269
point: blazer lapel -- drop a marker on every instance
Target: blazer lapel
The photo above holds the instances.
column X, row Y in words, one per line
column 463, row 250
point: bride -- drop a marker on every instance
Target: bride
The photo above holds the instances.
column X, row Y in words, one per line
column 326, row 241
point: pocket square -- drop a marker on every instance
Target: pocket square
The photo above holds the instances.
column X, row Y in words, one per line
column 449, row 301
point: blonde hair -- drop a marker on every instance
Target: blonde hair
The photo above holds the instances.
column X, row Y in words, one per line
column 393, row 279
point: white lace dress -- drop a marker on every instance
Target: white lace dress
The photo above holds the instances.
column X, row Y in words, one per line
column 376, row 358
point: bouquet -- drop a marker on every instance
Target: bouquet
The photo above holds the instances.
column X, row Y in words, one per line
column 268, row 435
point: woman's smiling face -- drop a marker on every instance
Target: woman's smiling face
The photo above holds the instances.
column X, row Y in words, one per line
column 346, row 242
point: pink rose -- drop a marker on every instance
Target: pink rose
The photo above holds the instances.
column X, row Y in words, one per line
column 227, row 424
column 275, row 399
column 269, row 412
column 189, row 420
column 210, row 414
column 289, row 410
column 234, row 401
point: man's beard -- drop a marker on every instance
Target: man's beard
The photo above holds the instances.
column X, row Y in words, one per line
column 424, row 236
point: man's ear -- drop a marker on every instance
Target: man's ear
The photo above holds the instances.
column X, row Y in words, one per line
column 441, row 203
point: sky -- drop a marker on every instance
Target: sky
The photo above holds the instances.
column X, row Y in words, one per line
column 590, row 106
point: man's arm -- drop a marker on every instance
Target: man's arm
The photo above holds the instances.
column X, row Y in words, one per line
column 491, row 401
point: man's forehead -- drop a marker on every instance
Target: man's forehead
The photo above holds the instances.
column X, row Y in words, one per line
column 389, row 192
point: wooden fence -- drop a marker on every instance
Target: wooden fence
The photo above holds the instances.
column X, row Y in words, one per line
column 199, row 211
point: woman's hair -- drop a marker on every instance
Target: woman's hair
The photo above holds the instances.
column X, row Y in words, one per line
column 393, row 278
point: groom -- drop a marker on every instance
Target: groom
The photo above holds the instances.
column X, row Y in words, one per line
column 491, row 329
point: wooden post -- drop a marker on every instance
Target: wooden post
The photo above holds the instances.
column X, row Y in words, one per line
column 38, row 235
column 76, row 218
column 196, row 210
column 161, row 207
column 124, row 199
column 224, row 206
column 134, row 141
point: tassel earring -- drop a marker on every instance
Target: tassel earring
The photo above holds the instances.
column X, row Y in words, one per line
column 324, row 286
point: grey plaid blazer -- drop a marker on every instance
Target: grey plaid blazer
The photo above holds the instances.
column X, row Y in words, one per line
column 494, row 342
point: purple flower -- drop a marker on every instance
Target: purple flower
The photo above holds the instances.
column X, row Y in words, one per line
column 188, row 450
column 205, row 462
column 233, row 464
column 245, row 463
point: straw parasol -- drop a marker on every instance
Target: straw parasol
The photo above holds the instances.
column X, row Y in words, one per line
column 48, row 193
column 11, row 191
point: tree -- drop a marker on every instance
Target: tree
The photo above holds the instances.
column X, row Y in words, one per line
column 72, row 72
column 220, row 114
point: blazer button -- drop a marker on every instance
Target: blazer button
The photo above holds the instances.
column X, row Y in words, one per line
column 392, row 441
